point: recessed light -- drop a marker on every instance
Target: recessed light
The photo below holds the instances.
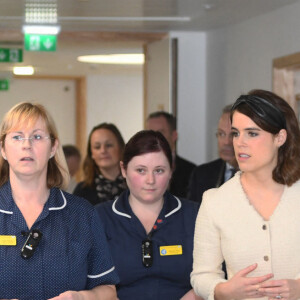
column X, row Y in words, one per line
column 28, row 70
column 130, row 59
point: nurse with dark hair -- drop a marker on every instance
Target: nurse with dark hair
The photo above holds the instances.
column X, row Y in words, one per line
column 253, row 220
column 150, row 232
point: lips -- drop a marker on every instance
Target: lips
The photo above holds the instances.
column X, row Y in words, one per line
column 26, row 159
column 243, row 155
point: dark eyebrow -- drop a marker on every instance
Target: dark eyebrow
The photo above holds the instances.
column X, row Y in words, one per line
column 248, row 129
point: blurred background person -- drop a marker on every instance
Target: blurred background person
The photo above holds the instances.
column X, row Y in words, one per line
column 101, row 167
column 252, row 221
column 215, row 173
column 150, row 231
column 52, row 243
column 73, row 159
column 165, row 123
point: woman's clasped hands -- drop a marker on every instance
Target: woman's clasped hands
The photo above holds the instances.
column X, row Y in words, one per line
column 242, row 287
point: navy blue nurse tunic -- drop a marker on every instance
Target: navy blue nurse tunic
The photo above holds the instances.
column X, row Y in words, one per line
column 169, row 275
column 72, row 255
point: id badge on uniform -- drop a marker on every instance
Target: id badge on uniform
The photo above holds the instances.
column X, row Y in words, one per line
column 170, row 250
column 8, row 240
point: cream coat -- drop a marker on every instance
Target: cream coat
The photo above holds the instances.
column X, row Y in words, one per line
column 229, row 228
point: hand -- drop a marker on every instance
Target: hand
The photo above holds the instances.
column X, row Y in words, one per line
column 240, row 286
column 284, row 288
column 69, row 295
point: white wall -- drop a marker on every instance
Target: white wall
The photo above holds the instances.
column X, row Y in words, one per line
column 58, row 96
column 244, row 53
column 118, row 99
column 191, row 106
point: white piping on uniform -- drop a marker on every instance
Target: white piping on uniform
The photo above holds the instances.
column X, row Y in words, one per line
column 118, row 212
column 6, row 212
column 102, row 274
column 61, row 207
column 174, row 210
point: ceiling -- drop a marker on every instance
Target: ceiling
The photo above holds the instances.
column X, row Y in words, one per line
column 110, row 26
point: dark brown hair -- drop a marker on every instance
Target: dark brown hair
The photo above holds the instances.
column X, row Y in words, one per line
column 287, row 170
column 146, row 141
column 90, row 168
column 171, row 120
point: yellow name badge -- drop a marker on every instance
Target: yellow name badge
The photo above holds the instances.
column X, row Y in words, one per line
column 170, row 250
column 8, row 240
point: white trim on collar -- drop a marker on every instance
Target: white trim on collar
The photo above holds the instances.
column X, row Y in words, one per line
column 128, row 216
column 118, row 212
column 61, row 207
column 175, row 209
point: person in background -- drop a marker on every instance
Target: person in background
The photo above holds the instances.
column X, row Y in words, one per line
column 215, row 173
column 102, row 175
column 73, row 159
column 166, row 124
column 150, row 231
column 52, row 243
column 252, row 221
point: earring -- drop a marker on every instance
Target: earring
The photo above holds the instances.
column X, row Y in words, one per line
column 4, row 157
column 51, row 156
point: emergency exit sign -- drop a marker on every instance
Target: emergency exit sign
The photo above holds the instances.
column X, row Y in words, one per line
column 4, row 84
column 11, row 55
column 40, row 42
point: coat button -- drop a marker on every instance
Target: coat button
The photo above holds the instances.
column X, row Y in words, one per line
column 264, row 227
column 266, row 258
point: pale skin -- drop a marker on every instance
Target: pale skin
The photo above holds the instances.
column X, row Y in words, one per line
column 256, row 152
column 147, row 177
column 28, row 173
column 106, row 153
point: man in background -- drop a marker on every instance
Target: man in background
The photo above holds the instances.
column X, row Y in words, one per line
column 73, row 158
column 166, row 124
column 215, row 173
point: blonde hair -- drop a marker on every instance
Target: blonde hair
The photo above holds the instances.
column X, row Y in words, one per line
column 25, row 115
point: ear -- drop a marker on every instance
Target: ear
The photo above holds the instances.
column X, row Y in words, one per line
column 3, row 152
column 174, row 136
column 123, row 171
column 281, row 137
column 53, row 149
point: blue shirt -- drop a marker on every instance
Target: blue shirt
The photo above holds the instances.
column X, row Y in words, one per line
column 169, row 276
column 72, row 255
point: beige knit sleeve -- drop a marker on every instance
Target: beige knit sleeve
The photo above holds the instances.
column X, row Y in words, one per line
column 207, row 256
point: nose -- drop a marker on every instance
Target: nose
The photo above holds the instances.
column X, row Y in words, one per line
column 150, row 178
column 240, row 140
column 27, row 142
column 228, row 139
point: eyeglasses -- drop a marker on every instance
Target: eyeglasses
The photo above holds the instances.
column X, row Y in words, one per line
column 222, row 135
column 18, row 139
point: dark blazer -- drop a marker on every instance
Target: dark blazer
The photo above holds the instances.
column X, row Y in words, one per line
column 204, row 177
column 181, row 176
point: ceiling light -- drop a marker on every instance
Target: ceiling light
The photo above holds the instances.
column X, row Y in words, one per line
column 131, row 59
column 41, row 29
column 29, row 70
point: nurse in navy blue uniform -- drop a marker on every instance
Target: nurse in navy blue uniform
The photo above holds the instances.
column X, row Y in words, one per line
column 52, row 244
column 150, row 231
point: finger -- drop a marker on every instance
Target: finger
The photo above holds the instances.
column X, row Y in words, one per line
column 259, row 280
column 247, row 270
column 272, row 283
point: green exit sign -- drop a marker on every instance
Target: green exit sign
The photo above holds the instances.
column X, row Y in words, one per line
column 4, row 84
column 40, row 42
column 11, row 55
